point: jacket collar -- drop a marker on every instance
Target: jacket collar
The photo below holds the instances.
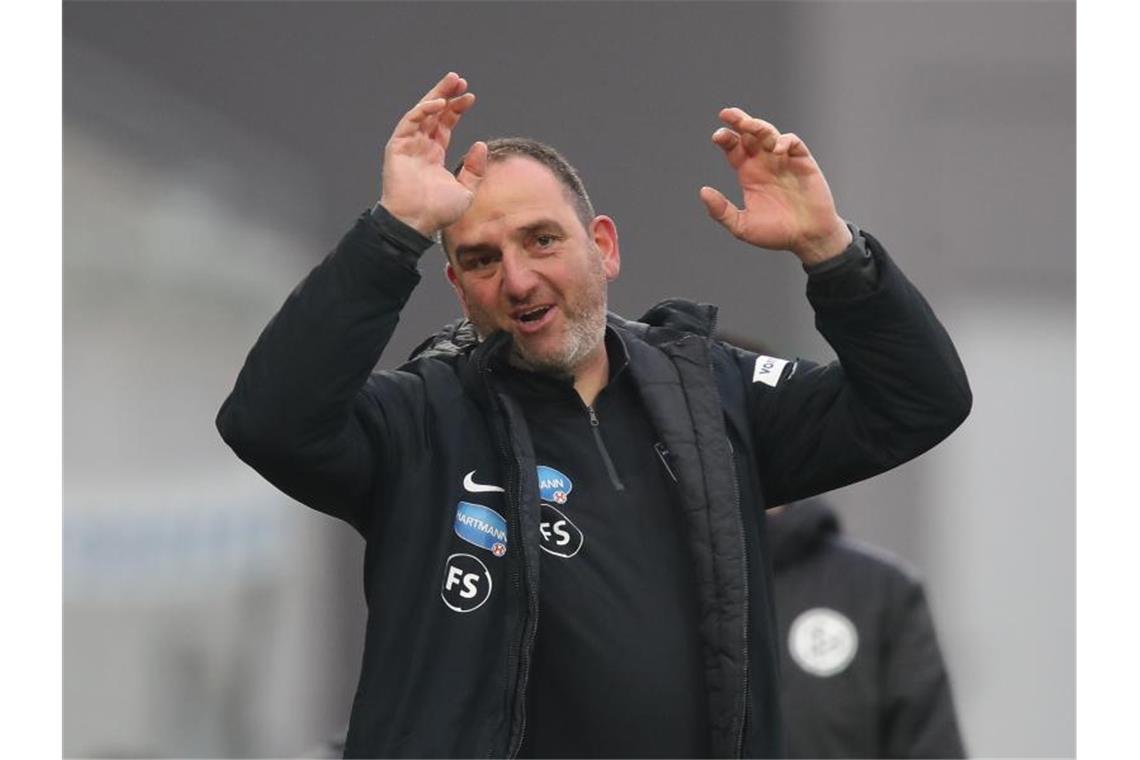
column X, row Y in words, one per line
column 670, row 319
column 457, row 343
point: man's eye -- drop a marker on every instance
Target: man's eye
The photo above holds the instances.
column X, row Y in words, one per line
column 479, row 262
column 544, row 240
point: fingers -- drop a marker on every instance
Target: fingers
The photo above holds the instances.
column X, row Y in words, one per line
column 457, row 105
column 442, row 104
column 746, row 137
column 755, row 134
column 474, row 166
column 450, row 86
column 416, row 119
column 721, row 209
column 453, row 90
column 440, row 126
column 726, row 138
column 790, row 144
column 729, row 142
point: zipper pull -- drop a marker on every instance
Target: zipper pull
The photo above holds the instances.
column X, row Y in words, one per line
column 593, row 416
column 663, row 455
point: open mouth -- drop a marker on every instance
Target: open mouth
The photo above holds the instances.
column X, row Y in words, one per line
column 531, row 320
column 534, row 314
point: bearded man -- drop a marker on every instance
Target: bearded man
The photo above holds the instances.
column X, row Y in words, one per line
column 564, row 551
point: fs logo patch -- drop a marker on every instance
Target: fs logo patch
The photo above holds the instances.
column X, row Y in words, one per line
column 481, row 526
column 553, row 485
column 560, row 537
column 466, row 583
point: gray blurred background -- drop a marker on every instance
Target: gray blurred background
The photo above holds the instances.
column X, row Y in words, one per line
column 214, row 152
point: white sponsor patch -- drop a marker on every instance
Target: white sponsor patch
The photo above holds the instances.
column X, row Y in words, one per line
column 768, row 370
column 822, row 641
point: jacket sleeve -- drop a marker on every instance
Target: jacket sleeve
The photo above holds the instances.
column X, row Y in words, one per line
column 897, row 389
column 306, row 410
column 918, row 717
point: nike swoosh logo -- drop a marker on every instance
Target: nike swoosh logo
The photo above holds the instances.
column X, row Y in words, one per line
column 470, row 484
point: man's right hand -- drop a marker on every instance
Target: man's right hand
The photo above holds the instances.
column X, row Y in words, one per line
column 417, row 187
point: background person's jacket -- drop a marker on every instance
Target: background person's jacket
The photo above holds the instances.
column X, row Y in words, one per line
column 861, row 673
column 389, row 452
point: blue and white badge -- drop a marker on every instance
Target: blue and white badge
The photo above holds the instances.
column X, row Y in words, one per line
column 481, row 526
column 553, row 485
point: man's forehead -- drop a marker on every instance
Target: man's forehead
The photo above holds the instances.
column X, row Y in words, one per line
column 517, row 185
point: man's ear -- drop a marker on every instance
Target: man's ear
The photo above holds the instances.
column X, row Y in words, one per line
column 453, row 278
column 603, row 231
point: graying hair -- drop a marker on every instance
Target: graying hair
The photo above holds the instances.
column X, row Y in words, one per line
column 502, row 148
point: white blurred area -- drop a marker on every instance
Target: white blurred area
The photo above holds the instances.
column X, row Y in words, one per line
column 998, row 543
column 195, row 612
column 206, row 615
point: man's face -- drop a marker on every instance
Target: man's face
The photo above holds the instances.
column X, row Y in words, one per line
column 521, row 261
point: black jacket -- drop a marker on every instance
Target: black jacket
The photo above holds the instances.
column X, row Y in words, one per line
column 388, row 452
column 861, row 673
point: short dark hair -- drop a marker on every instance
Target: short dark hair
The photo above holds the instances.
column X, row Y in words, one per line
column 502, row 148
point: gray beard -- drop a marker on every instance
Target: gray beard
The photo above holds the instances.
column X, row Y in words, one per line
column 587, row 331
column 585, row 335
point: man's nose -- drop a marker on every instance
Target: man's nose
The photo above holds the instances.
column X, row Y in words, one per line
column 519, row 277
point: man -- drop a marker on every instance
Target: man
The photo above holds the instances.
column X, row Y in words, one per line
column 861, row 670
column 544, row 461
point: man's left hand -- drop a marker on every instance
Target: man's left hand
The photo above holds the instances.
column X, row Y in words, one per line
column 787, row 203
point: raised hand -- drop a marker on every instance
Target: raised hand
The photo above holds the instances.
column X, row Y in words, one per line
column 787, row 203
column 417, row 187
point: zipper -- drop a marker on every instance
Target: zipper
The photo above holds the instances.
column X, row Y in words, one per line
column 747, row 601
column 744, row 556
column 528, row 636
column 614, row 479
column 526, row 646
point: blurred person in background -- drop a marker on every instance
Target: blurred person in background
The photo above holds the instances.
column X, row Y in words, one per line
column 542, row 437
column 861, row 672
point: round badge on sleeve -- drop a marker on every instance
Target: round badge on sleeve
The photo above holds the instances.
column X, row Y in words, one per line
column 823, row 641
